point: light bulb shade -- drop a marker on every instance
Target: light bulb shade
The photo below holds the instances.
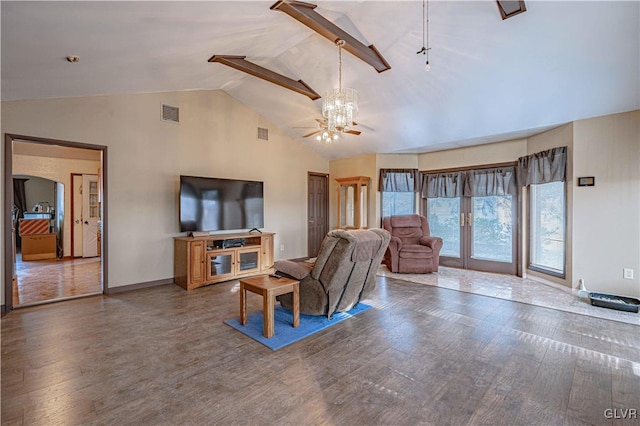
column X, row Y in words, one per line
column 340, row 107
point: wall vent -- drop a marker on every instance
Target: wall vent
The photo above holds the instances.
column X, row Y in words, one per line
column 263, row 133
column 170, row 113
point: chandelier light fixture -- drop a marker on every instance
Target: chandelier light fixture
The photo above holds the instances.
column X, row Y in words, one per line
column 425, row 45
column 339, row 106
column 327, row 136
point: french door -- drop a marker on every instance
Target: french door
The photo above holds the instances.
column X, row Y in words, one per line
column 478, row 232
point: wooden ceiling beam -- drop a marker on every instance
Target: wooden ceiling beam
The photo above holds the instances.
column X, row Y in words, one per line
column 305, row 13
column 509, row 8
column 241, row 64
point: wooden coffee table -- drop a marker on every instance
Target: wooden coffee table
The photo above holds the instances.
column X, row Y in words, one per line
column 269, row 287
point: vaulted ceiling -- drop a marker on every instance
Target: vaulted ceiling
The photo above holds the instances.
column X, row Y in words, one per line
column 490, row 79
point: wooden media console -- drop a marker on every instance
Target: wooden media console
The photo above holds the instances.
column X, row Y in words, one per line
column 200, row 261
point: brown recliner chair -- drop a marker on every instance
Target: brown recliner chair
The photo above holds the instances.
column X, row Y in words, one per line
column 412, row 249
column 344, row 272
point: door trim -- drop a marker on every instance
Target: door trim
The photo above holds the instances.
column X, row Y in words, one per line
column 8, row 203
column 326, row 204
column 73, row 214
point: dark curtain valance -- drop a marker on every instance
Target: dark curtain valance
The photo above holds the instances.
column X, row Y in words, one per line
column 485, row 182
column 543, row 167
column 470, row 183
column 399, row 180
column 442, row 185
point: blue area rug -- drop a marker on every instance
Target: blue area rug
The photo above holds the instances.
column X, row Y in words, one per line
column 285, row 334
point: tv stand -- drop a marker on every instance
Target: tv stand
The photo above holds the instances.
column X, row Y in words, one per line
column 204, row 260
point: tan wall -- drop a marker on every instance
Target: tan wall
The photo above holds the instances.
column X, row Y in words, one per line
column 606, row 217
column 473, row 156
column 216, row 137
column 59, row 170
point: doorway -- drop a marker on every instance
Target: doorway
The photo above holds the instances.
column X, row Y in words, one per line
column 476, row 212
column 317, row 211
column 478, row 233
column 35, row 281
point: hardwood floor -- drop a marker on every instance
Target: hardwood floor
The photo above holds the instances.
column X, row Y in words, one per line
column 47, row 280
column 423, row 355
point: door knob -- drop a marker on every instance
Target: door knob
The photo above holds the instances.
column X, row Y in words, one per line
column 86, row 222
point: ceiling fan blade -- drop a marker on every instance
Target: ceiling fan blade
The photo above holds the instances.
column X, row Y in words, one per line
column 312, row 133
column 321, row 121
column 364, row 126
column 353, row 132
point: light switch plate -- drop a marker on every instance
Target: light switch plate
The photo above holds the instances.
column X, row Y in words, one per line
column 627, row 273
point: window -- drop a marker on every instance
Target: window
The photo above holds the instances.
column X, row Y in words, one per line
column 394, row 203
column 547, row 227
column 398, row 188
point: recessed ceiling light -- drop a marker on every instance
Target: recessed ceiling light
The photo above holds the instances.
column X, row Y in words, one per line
column 73, row 59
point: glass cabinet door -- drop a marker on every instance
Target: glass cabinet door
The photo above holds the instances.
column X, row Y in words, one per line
column 220, row 263
column 347, row 201
column 353, row 202
column 248, row 260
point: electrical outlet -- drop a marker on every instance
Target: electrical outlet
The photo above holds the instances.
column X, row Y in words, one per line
column 281, row 247
column 627, row 273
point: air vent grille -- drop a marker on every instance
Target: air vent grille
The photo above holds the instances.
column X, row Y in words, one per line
column 170, row 113
column 263, row 133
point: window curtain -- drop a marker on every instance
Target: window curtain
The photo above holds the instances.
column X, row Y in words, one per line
column 442, row 185
column 494, row 181
column 543, row 167
column 470, row 183
column 399, row 180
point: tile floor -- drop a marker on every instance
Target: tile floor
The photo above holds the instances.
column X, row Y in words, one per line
column 513, row 288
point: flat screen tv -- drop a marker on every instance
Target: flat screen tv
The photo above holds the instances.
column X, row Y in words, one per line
column 212, row 204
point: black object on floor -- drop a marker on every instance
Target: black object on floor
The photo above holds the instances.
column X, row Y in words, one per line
column 611, row 301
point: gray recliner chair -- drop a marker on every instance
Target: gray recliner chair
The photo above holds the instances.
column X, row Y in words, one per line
column 343, row 274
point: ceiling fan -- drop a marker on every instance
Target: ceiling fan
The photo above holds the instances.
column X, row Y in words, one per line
column 324, row 134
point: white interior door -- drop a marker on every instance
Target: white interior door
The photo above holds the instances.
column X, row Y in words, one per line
column 90, row 215
column 77, row 215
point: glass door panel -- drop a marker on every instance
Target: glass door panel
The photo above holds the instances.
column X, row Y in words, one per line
column 477, row 232
column 492, row 231
column 444, row 219
column 490, row 241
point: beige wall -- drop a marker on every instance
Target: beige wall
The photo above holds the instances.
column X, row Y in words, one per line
column 216, row 137
column 606, row 219
column 58, row 170
column 473, row 156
